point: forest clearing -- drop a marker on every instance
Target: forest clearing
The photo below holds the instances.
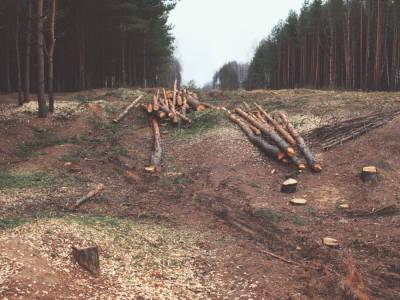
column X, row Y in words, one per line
column 186, row 149
column 213, row 222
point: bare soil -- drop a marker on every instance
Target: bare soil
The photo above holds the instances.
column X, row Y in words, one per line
column 203, row 227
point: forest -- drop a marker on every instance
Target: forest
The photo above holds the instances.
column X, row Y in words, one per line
column 352, row 44
column 64, row 45
column 334, row 44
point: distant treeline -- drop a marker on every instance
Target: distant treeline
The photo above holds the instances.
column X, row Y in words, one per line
column 353, row 44
column 98, row 43
column 230, row 76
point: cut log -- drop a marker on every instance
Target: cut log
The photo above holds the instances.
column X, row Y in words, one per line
column 149, row 108
column 156, row 105
column 268, row 131
column 195, row 104
column 311, row 160
column 179, row 100
column 369, row 174
column 87, row 258
column 174, row 95
column 298, row 202
column 289, row 186
column 183, row 117
column 128, row 109
column 99, row 188
column 270, row 150
column 155, row 160
column 278, row 127
column 330, row 242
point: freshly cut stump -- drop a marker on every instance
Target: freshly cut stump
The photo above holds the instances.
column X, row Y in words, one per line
column 289, row 186
column 298, row 202
column 87, row 258
column 369, row 174
column 330, row 242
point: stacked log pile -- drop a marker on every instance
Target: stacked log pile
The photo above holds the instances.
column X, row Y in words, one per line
column 275, row 136
column 174, row 105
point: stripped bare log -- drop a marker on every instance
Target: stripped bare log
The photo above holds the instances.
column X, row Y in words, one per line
column 311, row 160
column 174, row 95
column 156, row 105
column 128, row 109
column 155, row 160
column 99, row 188
column 268, row 131
column 278, row 127
column 267, row 148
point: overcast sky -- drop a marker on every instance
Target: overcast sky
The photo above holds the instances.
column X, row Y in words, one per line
column 211, row 32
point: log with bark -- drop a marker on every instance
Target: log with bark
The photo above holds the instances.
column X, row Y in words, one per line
column 268, row 131
column 278, row 127
column 128, row 109
column 267, row 148
column 311, row 160
column 195, row 104
column 155, row 160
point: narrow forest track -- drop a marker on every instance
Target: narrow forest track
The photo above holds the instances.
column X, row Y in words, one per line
column 216, row 193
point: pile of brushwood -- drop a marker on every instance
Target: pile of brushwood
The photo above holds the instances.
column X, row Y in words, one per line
column 275, row 136
column 338, row 133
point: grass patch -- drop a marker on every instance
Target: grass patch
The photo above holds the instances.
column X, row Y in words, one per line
column 11, row 223
column 73, row 157
column 268, row 214
column 202, row 123
column 38, row 179
column 299, row 221
column 42, row 138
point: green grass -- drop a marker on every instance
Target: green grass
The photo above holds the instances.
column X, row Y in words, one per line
column 299, row 221
column 202, row 122
column 268, row 214
column 11, row 223
column 42, row 138
column 38, row 179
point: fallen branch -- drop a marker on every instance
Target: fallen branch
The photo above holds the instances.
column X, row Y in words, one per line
column 386, row 211
column 128, row 109
column 99, row 188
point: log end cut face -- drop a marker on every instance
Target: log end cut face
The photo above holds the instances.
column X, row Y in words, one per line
column 289, row 186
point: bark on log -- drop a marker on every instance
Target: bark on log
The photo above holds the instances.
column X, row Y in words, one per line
column 267, row 148
column 268, row 131
column 88, row 259
column 128, row 109
column 183, row 117
column 369, row 174
column 289, row 186
column 149, row 108
column 311, row 160
column 286, row 135
column 194, row 103
column 99, row 188
column 155, row 160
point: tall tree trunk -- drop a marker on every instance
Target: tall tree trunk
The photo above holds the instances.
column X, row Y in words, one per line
column 123, row 56
column 27, row 86
column 7, row 62
column 378, row 50
column 361, row 59
column 40, row 59
column 51, row 54
column 368, row 46
column 17, row 54
column 144, row 61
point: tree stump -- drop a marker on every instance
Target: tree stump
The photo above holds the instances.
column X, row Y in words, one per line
column 87, row 258
column 369, row 174
column 289, row 186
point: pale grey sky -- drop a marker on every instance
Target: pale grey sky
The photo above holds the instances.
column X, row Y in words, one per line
column 211, row 32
